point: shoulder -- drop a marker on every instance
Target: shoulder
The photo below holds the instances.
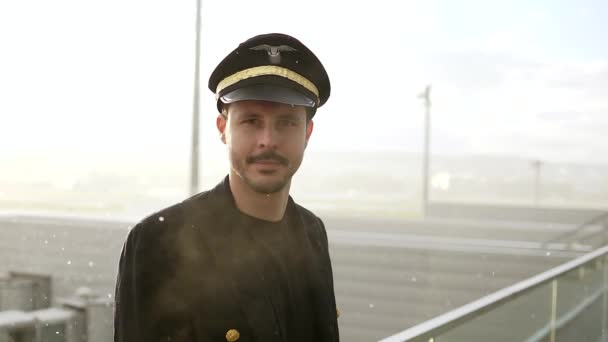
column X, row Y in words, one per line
column 307, row 215
column 313, row 224
column 196, row 211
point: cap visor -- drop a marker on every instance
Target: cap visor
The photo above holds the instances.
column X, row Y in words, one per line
column 268, row 92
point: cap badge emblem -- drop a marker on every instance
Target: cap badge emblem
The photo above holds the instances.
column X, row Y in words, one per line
column 274, row 52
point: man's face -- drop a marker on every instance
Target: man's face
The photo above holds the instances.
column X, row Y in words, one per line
column 266, row 142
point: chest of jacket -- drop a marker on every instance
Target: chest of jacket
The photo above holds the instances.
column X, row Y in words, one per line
column 226, row 286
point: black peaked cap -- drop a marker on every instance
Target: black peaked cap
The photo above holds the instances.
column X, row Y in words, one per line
column 274, row 67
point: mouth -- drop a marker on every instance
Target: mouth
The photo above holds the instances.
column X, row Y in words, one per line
column 267, row 166
column 267, row 162
column 269, row 159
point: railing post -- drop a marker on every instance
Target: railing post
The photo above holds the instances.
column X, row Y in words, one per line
column 553, row 309
column 605, row 232
column 604, row 297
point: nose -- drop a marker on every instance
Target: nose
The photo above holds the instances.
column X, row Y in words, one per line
column 267, row 137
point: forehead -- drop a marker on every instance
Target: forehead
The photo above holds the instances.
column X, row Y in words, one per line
column 265, row 108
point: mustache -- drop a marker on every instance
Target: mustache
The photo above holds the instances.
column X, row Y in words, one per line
column 269, row 155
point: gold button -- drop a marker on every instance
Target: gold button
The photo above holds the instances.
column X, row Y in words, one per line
column 232, row 335
column 337, row 313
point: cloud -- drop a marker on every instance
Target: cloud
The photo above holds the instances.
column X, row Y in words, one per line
column 500, row 103
column 579, row 117
column 475, row 68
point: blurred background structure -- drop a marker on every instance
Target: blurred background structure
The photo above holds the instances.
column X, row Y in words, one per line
column 502, row 232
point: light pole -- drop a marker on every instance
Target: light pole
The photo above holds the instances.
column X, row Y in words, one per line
column 194, row 158
column 426, row 97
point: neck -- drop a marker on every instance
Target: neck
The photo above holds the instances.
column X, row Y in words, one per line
column 265, row 207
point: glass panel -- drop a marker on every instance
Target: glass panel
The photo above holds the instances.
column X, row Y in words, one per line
column 575, row 301
column 579, row 304
column 514, row 321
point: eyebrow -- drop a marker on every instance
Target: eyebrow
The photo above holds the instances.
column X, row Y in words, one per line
column 255, row 114
column 247, row 114
column 293, row 116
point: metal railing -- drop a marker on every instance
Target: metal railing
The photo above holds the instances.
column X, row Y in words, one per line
column 531, row 310
column 600, row 219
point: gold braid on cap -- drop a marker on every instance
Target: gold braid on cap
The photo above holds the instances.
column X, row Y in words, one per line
column 266, row 70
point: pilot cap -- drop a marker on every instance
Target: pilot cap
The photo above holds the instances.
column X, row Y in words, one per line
column 271, row 67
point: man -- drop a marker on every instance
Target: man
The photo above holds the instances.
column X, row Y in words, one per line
column 243, row 261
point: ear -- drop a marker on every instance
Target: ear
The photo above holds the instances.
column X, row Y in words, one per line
column 220, row 122
column 309, row 128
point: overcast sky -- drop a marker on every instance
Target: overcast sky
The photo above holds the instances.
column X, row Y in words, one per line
column 113, row 79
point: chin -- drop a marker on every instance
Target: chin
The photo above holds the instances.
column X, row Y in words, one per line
column 267, row 186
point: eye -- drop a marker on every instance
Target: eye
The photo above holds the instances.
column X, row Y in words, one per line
column 288, row 123
column 250, row 121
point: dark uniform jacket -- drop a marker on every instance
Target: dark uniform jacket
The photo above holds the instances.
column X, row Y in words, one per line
column 203, row 271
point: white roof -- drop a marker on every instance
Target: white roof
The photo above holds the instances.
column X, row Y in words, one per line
column 13, row 319
column 53, row 315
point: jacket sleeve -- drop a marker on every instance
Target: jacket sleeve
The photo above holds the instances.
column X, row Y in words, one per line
column 145, row 308
column 332, row 320
column 130, row 321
